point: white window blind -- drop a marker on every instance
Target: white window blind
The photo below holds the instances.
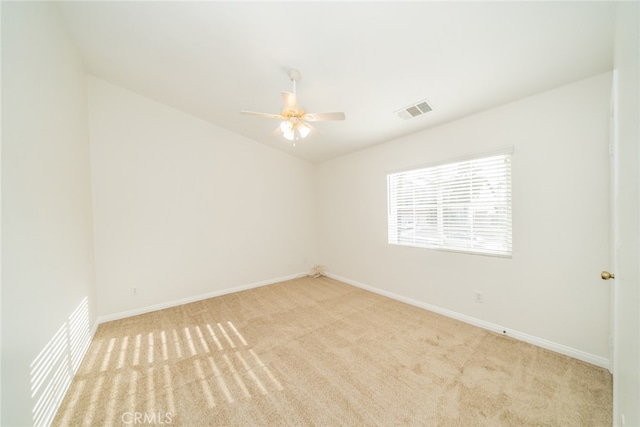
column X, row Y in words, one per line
column 461, row 206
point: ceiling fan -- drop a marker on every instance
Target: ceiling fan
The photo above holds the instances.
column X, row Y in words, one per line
column 294, row 125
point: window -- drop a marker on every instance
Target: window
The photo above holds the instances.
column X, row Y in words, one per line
column 461, row 206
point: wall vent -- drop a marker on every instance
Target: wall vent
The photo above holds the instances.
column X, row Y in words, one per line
column 414, row 110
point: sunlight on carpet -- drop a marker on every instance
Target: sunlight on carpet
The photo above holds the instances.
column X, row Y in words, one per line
column 152, row 354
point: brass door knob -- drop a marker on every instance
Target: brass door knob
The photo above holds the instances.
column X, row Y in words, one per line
column 606, row 275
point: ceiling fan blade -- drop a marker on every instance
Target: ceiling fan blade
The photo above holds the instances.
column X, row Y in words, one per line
column 323, row 117
column 290, row 101
column 265, row 115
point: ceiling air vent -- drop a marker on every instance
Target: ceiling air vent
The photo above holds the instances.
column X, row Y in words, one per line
column 414, row 110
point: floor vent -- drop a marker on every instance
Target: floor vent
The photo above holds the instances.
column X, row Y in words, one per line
column 414, row 110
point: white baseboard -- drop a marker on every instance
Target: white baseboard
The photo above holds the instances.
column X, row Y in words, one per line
column 187, row 300
column 540, row 342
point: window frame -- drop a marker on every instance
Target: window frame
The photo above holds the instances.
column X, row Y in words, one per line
column 505, row 252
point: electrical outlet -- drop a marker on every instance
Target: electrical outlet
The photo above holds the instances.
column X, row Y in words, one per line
column 479, row 296
column 134, row 291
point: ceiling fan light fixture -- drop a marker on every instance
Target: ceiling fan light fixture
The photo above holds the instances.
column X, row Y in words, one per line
column 304, row 130
column 289, row 135
column 286, row 127
column 288, row 130
column 294, row 131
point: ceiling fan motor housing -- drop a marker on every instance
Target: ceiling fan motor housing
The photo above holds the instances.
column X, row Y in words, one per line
column 292, row 115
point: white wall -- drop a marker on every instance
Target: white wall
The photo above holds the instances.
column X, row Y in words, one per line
column 47, row 241
column 550, row 289
column 627, row 355
column 184, row 208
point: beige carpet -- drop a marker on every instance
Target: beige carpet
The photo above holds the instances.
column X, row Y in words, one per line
column 320, row 352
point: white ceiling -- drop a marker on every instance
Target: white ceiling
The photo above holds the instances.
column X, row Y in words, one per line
column 368, row 59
